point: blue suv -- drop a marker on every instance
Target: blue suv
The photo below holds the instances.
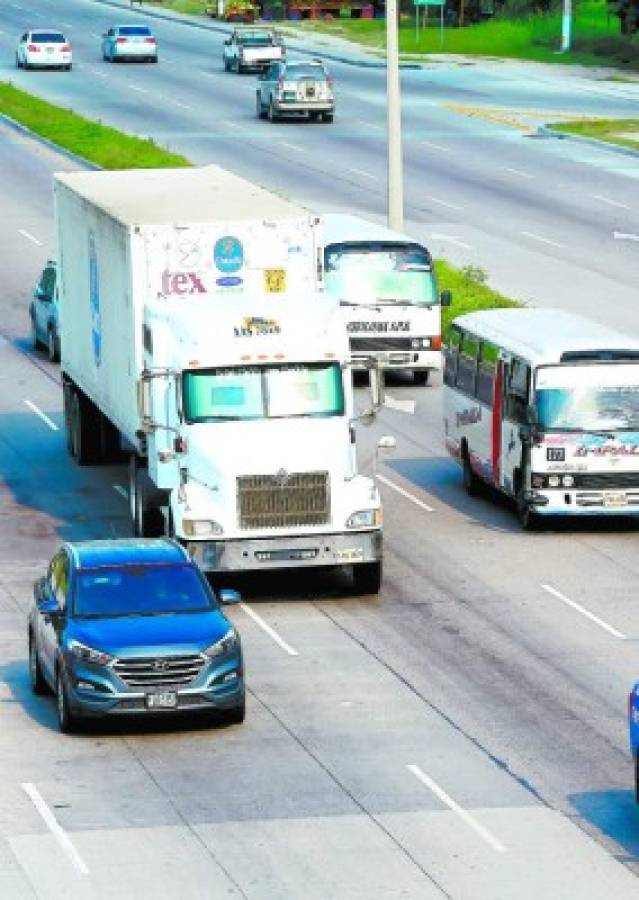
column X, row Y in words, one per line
column 132, row 626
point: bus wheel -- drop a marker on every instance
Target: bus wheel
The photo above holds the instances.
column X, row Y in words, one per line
column 526, row 515
column 471, row 481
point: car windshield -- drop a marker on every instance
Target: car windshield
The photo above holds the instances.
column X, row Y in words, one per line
column 588, row 398
column 139, row 591
column 48, row 37
column 134, row 31
column 257, row 39
column 374, row 272
column 294, row 73
column 268, row 392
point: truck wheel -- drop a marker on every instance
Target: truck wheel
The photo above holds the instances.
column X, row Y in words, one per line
column 146, row 519
column 272, row 114
column 367, row 578
column 85, row 433
column 472, row 483
column 421, row 376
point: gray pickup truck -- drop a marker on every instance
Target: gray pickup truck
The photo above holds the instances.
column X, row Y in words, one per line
column 252, row 48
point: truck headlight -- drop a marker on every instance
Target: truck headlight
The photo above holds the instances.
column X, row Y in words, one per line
column 225, row 645
column 201, row 527
column 365, row 518
column 89, row 654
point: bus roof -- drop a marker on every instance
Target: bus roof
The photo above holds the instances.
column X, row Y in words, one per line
column 341, row 227
column 541, row 336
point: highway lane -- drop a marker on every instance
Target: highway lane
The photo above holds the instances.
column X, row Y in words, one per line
column 500, row 698
column 479, row 191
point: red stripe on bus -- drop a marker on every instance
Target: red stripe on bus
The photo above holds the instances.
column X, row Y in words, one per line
column 496, row 422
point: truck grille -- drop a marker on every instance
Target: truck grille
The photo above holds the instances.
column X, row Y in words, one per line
column 613, row 481
column 372, row 344
column 283, row 500
column 159, row 670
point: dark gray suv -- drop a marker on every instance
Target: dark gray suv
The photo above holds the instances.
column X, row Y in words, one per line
column 296, row 87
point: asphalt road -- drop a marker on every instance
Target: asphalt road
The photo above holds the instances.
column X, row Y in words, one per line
column 479, row 189
column 462, row 735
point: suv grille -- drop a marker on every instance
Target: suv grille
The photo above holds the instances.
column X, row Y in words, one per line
column 607, row 480
column 282, row 500
column 159, row 670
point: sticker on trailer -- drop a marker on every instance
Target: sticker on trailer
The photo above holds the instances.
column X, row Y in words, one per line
column 94, row 300
column 228, row 254
column 275, row 281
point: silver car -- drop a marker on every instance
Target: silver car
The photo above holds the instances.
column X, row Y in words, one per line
column 296, row 87
column 129, row 42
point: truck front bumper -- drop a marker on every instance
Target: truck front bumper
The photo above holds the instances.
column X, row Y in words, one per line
column 398, row 359
column 287, row 552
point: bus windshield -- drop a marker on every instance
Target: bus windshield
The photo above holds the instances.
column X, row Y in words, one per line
column 263, row 392
column 595, row 398
column 375, row 272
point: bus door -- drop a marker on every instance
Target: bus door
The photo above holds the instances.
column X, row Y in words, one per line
column 515, row 390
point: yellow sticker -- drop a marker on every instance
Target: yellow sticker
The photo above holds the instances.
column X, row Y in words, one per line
column 275, row 281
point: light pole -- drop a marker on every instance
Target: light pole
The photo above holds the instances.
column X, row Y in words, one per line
column 566, row 26
column 394, row 126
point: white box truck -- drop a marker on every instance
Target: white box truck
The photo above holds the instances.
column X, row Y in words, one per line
column 193, row 335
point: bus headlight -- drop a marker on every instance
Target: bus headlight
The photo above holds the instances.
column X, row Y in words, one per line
column 568, row 481
column 554, row 481
column 420, row 343
column 201, row 527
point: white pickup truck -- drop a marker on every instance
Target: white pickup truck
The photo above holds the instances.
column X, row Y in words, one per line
column 252, row 48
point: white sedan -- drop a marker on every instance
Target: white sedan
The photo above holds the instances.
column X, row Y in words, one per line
column 129, row 42
column 43, row 50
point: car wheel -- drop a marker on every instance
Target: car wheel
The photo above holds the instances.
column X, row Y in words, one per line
column 38, row 684
column 471, row 481
column 53, row 351
column 261, row 113
column 327, row 118
column 35, row 342
column 18, row 63
column 66, row 720
column 272, row 115
column 367, row 578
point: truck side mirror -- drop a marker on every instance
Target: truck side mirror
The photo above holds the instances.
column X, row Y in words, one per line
column 378, row 386
column 144, row 402
column 446, row 298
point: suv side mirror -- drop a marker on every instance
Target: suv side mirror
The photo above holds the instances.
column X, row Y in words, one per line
column 46, row 604
column 446, row 298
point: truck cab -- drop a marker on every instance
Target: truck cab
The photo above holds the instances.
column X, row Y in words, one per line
column 252, row 48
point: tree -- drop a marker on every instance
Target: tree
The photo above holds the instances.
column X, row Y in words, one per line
column 628, row 13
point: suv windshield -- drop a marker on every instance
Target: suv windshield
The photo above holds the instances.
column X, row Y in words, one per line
column 256, row 40
column 370, row 272
column 588, row 398
column 139, row 591
column 47, row 37
column 268, row 392
column 134, row 30
column 295, row 72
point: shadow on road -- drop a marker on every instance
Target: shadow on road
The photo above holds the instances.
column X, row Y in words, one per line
column 613, row 813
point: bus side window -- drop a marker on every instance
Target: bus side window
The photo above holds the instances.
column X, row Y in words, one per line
column 488, row 359
column 467, row 366
column 517, row 388
column 451, row 357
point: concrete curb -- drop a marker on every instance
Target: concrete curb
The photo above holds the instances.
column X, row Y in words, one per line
column 546, row 131
column 51, row 145
column 191, row 22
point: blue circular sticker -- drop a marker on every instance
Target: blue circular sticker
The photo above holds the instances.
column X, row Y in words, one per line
column 94, row 300
column 228, row 254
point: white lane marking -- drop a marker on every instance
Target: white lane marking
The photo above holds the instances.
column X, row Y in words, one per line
column 404, row 493
column 134, row 87
column 98, row 74
column 451, row 240
column 623, row 236
column 362, row 173
column 368, row 124
column 406, row 406
column 29, row 237
column 55, row 828
column 434, row 146
column 444, row 203
column 232, row 125
column 210, row 74
column 609, row 201
column 584, row 612
column 518, row 172
column 41, row 415
column 541, row 239
column 270, row 631
column 465, row 816
column 180, row 104
column 293, row 147
column 121, row 491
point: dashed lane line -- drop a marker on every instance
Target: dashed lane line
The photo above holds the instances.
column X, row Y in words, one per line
column 268, row 630
column 29, row 237
column 45, row 418
column 403, row 493
column 542, row 239
column 584, row 612
column 63, row 839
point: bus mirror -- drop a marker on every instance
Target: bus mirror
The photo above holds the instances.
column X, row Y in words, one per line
column 446, row 298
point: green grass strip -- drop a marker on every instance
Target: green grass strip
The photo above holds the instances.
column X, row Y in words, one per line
column 470, row 292
column 93, row 141
column 623, row 132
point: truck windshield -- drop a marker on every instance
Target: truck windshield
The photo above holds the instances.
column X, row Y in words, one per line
column 373, row 272
column 263, row 392
column 588, row 398
column 139, row 591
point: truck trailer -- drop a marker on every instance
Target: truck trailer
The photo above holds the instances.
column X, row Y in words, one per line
column 196, row 337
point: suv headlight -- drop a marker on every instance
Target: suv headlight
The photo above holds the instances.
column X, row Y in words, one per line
column 225, row 645
column 89, row 654
column 365, row 518
column 201, row 527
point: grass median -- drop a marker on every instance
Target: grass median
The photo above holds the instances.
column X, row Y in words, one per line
column 93, row 141
column 112, row 149
column 623, row 132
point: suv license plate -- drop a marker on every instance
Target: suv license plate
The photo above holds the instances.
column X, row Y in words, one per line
column 617, row 499
column 162, row 700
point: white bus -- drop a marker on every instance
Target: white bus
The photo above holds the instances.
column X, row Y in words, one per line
column 386, row 285
column 544, row 406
